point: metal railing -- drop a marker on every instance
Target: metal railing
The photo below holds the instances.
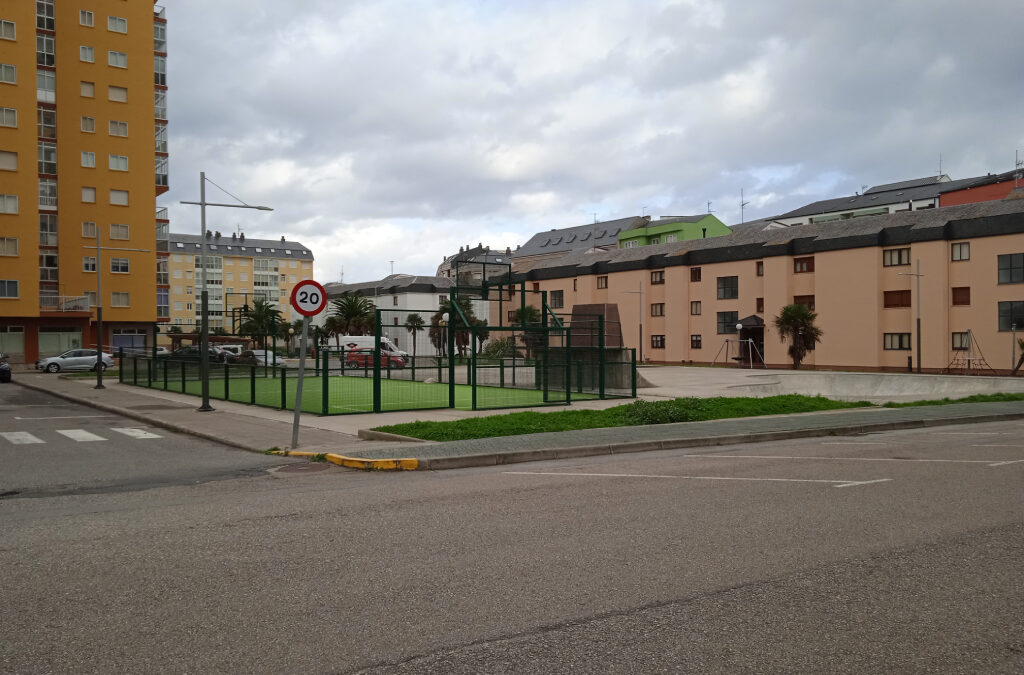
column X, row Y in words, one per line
column 64, row 303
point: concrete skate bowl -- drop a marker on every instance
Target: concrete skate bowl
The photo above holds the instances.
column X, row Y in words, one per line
column 875, row 387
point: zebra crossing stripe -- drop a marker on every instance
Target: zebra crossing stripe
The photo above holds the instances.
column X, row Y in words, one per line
column 80, row 435
column 134, row 433
column 20, row 437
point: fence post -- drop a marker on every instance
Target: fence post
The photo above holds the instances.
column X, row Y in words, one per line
column 471, row 364
column 120, row 364
column 252, row 384
column 568, row 366
column 450, row 330
column 227, row 382
column 135, row 370
column 149, row 373
column 182, row 377
column 601, row 360
column 284, row 390
column 376, row 361
column 633, row 352
column 165, row 373
column 325, row 386
column 501, row 370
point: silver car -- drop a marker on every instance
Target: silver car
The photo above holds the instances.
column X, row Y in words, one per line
column 74, row 359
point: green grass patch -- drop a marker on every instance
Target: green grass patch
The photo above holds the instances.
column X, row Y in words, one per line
column 632, row 414
column 977, row 398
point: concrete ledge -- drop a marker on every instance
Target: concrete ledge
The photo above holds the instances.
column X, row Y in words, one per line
column 405, row 464
column 371, row 435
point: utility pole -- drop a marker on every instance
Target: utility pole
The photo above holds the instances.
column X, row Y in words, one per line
column 918, row 302
column 743, row 206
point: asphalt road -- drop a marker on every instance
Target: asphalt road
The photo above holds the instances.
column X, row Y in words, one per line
column 49, row 446
column 895, row 552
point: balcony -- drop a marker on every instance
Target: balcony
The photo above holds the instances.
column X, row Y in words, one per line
column 64, row 303
column 159, row 12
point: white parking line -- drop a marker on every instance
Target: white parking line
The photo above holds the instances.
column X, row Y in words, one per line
column 80, row 435
column 846, row 459
column 834, row 483
column 69, row 417
column 20, row 437
column 134, row 433
column 968, row 433
column 998, row 446
column 1012, row 461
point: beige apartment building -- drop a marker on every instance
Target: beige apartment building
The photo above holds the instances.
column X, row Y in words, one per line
column 680, row 302
column 238, row 270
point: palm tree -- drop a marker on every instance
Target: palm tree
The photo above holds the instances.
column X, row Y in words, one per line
column 355, row 314
column 414, row 324
column 260, row 321
column 795, row 323
column 334, row 327
column 438, row 333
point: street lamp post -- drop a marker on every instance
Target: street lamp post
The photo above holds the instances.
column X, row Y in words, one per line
column 917, row 273
column 204, row 330
column 1013, row 346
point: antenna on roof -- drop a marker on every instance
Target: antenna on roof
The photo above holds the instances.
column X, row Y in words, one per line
column 1018, row 164
column 643, row 211
column 743, row 205
column 940, row 165
column 341, row 275
column 595, row 218
column 709, row 207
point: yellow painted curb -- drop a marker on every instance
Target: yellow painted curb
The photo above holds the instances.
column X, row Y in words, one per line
column 406, row 464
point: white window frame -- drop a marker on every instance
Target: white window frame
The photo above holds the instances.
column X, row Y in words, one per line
column 88, row 195
column 120, row 231
column 5, row 288
column 118, row 162
column 47, row 46
column 86, row 54
column 960, row 251
column 114, row 93
column 86, row 18
column 8, row 203
column 119, row 201
column 88, row 263
column 12, row 156
column 117, row 59
column 115, row 126
column 120, row 295
column 88, row 125
column 120, row 266
column 8, row 30
column 88, row 159
column 88, row 229
column 87, row 89
column 8, row 73
column 9, row 114
column 117, row 24
column 6, row 242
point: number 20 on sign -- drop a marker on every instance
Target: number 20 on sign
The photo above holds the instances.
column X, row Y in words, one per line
column 308, row 298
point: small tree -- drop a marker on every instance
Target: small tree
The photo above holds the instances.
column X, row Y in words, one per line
column 534, row 336
column 795, row 324
column 260, row 321
column 174, row 329
column 438, row 333
column 414, row 323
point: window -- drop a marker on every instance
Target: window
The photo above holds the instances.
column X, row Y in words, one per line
column 47, row 157
column 160, row 104
column 47, row 193
column 893, row 257
column 119, row 265
column 44, row 14
column 805, row 300
column 117, row 24
column 117, row 94
column 89, row 230
column 962, row 295
column 161, row 171
column 727, row 322
column 86, row 54
column 47, row 229
column 46, row 86
column 91, row 297
column 8, row 288
column 632, row 243
column 160, row 70
column 961, row 342
column 694, row 274
column 48, row 267
column 46, row 123
column 118, row 231
column 1011, row 315
column 89, row 159
column 89, row 195
column 8, row 117
column 45, row 50
column 178, row 305
column 159, row 37
column 695, row 342
column 557, row 299
column 8, row 161
column 695, row 308
column 293, row 278
column 8, row 30
column 85, row 18
column 118, row 163
column 119, row 197
column 8, row 73
column 960, row 251
column 657, row 309
column 803, row 265
column 118, row 299
column 117, row 128
column 1011, row 268
column 88, row 89
column 89, row 125
column 9, row 246
column 117, row 59
column 759, row 267
column 602, row 282
column 162, row 303
column 89, row 263
column 657, row 342
column 8, row 203
column 892, row 299
column 669, row 238
column 655, row 240
column 657, row 277
column 728, row 288
column 896, row 341
column 760, row 306
column 177, row 274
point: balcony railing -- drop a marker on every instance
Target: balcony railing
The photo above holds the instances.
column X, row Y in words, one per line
column 64, row 303
column 159, row 12
column 47, row 202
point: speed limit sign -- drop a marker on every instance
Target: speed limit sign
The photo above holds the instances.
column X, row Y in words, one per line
column 309, row 298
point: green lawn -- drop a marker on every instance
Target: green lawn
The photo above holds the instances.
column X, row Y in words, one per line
column 355, row 394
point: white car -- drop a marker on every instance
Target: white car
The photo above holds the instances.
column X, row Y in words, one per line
column 74, row 359
column 265, row 357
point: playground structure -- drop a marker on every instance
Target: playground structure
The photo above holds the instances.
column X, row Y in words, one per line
column 520, row 354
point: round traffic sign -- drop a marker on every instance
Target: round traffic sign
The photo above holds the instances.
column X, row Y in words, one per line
column 309, row 298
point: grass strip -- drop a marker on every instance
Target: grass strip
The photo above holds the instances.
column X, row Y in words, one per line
column 636, row 413
column 977, row 398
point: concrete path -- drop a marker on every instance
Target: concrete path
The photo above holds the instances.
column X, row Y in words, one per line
column 261, row 429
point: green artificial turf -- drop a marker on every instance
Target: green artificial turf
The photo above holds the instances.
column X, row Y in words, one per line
column 632, row 414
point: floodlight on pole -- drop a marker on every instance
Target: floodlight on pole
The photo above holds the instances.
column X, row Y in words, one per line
column 204, row 327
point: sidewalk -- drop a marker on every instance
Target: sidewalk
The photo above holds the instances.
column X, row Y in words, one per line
column 260, row 429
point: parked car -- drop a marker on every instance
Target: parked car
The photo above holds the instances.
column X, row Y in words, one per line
column 192, row 352
column 162, row 351
column 263, row 357
column 363, row 358
column 74, row 359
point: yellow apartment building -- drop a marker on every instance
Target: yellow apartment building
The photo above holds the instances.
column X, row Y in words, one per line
column 238, row 270
column 682, row 302
column 83, row 156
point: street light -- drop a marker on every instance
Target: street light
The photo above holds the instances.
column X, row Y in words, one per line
column 204, row 329
column 917, row 274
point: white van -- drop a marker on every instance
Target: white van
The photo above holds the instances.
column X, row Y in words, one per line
column 367, row 342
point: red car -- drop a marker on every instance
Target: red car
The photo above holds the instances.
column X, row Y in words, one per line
column 363, row 358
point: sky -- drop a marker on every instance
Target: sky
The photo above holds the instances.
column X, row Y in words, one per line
column 385, row 134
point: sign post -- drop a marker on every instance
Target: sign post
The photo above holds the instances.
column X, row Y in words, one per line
column 308, row 299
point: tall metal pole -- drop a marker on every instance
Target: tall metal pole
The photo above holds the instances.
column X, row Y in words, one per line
column 204, row 329
column 298, row 385
column 99, row 312
column 918, row 275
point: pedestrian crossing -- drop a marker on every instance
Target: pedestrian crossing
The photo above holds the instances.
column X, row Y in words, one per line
column 77, row 435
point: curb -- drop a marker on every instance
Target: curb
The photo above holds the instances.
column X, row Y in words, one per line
column 406, row 464
column 371, row 435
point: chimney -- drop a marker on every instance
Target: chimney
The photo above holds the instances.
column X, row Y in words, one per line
column 241, row 237
column 704, row 232
column 282, row 239
column 508, row 250
column 209, row 234
column 216, row 235
column 234, row 236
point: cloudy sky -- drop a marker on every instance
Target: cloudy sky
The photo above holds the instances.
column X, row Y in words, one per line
column 399, row 130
